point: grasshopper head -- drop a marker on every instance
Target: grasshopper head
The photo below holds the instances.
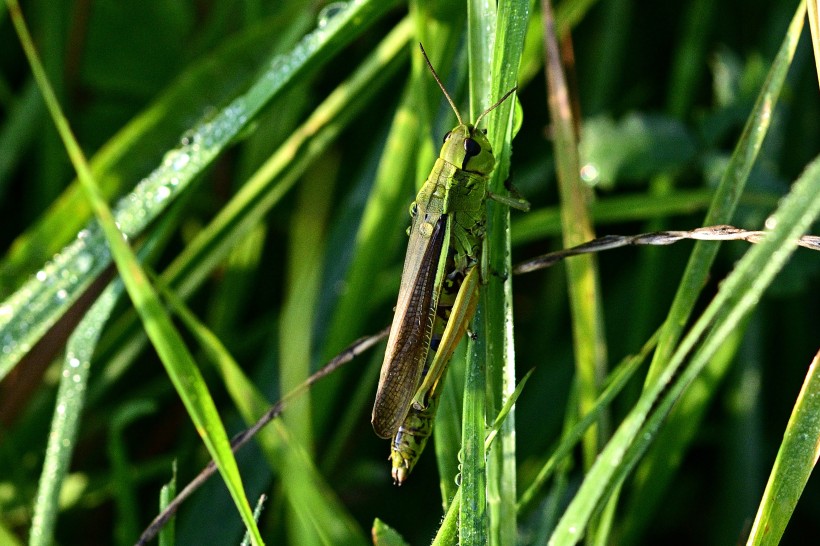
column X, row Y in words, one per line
column 468, row 149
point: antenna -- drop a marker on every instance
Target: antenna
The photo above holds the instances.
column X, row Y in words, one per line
column 441, row 85
column 496, row 105
column 450, row 100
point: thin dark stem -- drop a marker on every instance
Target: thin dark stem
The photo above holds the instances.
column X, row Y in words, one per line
column 348, row 354
column 711, row 233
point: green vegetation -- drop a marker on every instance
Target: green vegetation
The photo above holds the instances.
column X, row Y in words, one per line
column 260, row 160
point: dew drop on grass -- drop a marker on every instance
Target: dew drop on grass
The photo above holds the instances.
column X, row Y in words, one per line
column 329, row 12
column 590, row 174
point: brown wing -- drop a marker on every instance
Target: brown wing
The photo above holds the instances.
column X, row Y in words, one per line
column 410, row 333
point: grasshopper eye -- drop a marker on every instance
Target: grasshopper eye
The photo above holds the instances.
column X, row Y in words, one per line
column 471, row 147
column 447, row 136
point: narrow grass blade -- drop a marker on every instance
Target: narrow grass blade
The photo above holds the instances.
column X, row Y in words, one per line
column 271, row 182
column 727, row 195
column 616, row 381
column 589, row 342
column 212, row 80
column 448, row 532
column 495, row 34
column 384, row 535
column 311, row 497
column 69, row 406
column 166, row 494
column 473, row 517
column 795, row 461
column 738, row 294
column 298, row 317
column 123, row 483
column 180, row 365
column 814, row 25
column 28, row 313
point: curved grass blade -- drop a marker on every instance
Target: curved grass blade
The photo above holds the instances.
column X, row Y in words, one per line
column 616, row 381
column 68, row 410
column 213, row 80
column 180, row 365
column 28, row 313
column 589, row 342
column 271, row 182
column 166, row 494
column 727, row 195
column 737, row 295
column 314, row 501
column 795, row 461
column 71, row 394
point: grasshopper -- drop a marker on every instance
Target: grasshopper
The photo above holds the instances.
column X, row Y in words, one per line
column 446, row 240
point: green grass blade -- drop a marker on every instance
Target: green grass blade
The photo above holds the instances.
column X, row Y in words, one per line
column 124, row 481
column 589, row 343
column 167, row 493
column 166, row 340
column 257, row 513
column 271, row 182
column 473, row 516
column 384, row 535
column 448, row 532
column 27, row 314
column 738, row 294
column 16, row 133
column 213, row 80
column 655, row 471
column 298, row 314
column 497, row 35
column 795, row 461
column 727, row 195
column 314, row 502
column 616, row 381
column 814, row 25
column 502, row 468
column 71, row 395
column 663, row 460
column 66, row 418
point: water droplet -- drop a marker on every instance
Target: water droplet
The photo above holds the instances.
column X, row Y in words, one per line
column 329, row 12
column 163, row 192
column 84, row 263
column 590, row 174
column 41, row 276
